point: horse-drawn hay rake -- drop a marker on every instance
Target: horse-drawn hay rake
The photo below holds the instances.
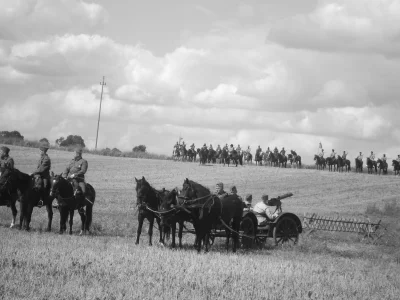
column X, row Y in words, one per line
column 339, row 224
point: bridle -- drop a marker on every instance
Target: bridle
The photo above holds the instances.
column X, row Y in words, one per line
column 54, row 192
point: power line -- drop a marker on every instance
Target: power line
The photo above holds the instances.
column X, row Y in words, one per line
column 98, row 120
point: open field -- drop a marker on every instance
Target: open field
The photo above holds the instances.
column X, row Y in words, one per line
column 107, row 265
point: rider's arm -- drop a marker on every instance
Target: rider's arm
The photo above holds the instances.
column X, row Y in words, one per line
column 66, row 171
column 10, row 164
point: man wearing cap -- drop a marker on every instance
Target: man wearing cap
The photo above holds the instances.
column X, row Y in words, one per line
column 265, row 212
column 372, row 156
column 76, row 170
column 43, row 170
column 398, row 158
column 344, row 155
column 219, row 190
column 321, row 153
column 333, row 154
column 283, row 151
column 360, row 157
column 248, row 199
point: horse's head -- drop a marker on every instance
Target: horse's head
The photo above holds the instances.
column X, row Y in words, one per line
column 315, row 157
column 187, row 192
column 143, row 188
column 56, row 181
column 37, row 182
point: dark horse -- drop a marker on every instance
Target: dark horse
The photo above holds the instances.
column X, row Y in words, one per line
column 370, row 165
column 320, row 162
column 282, row 160
column 359, row 165
column 382, row 166
column 172, row 212
column 342, row 163
column 12, row 187
column 396, row 167
column 191, row 154
column 63, row 190
column 234, row 157
column 211, row 212
column 332, row 162
column 294, row 158
column 224, row 156
column 247, row 157
column 258, row 157
column 203, row 154
column 212, row 156
column 31, row 199
column 148, row 202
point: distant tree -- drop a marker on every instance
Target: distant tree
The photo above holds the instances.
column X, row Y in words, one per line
column 116, row 151
column 59, row 141
column 11, row 134
column 140, row 148
column 72, row 140
column 44, row 140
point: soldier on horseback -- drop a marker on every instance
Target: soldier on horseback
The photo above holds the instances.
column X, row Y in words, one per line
column 372, row 156
column 344, row 155
column 321, row 153
column 204, row 147
column 211, row 147
column 333, row 154
column 248, row 149
column 283, row 151
column 231, row 149
column 192, row 147
column 398, row 158
column 6, row 168
column 218, row 148
column 76, row 170
column 360, row 157
column 238, row 149
column 276, row 151
column 43, row 171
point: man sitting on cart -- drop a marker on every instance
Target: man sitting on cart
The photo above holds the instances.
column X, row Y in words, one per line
column 219, row 190
column 264, row 211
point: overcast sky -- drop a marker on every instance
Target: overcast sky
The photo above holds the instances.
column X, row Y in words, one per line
column 271, row 73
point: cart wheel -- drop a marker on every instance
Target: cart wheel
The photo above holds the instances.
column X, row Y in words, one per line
column 249, row 229
column 285, row 232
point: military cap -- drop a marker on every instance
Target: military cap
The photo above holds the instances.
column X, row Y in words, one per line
column 220, row 185
column 264, row 197
column 44, row 145
column 5, row 149
column 233, row 189
column 249, row 197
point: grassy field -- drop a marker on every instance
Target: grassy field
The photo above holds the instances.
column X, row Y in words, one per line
column 107, row 264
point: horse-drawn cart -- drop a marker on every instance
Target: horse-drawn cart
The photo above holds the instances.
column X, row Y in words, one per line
column 284, row 230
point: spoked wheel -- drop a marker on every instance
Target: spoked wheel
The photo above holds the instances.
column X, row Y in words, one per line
column 285, row 232
column 249, row 229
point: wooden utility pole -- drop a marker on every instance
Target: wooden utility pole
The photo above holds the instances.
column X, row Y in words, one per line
column 98, row 120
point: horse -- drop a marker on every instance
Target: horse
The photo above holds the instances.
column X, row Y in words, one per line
column 359, row 165
column 191, row 154
column 31, row 199
column 176, row 154
column 234, row 156
column 63, row 190
column 370, row 165
column 320, row 162
column 240, row 157
column 171, row 212
column 396, row 167
column 332, row 163
column 148, row 202
column 247, row 157
column 203, row 154
column 282, row 160
column 294, row 158
column 341, row 163
column 211, row 156
column 382, row 166
column 224, row 156
column 213, row 211
column 184, row 153
column 258, row 157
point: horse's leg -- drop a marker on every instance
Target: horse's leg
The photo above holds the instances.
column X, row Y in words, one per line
column 22, row 214
column 139, row 229
column 28, row 215
column 71, row 220
column 228, row 234
column 173, row 233
column 14, row 212
column 160, row 231
column 49, row 215
column 83, row 222
column 63, row 219
column 151, row 224
column 180, row 233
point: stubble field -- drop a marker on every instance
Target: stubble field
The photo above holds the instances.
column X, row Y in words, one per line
column 108, row 265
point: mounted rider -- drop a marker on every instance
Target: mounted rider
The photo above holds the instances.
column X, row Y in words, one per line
column 211, row 147
column 283, row 151
column 383, row 159
column 333, row 154
column 248, row 150
column 238, row 149
column 76, row 170
column 43, row 171
column 344, row 155
column 360, row 157
column 176, row 148
column 6, row 168
column 192, row 146
column 204, row 147
column 276, row 151
column 218, row 148
column 398, row 158
column 372, row 156
column 183, row 146
column 267, row 152
column 264, row 212
column 231, row 149
column 294, row 153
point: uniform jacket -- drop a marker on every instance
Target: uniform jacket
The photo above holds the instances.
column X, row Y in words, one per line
column 263, row 211
column 43, row 167
column 77, row 166
column 7, row 163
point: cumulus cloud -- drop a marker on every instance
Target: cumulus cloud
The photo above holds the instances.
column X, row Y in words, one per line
column 321, row 76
